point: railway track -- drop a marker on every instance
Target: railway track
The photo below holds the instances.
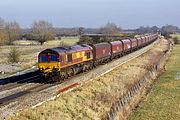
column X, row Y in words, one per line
column 18, row 78
column 19, row 83
column 34, row 89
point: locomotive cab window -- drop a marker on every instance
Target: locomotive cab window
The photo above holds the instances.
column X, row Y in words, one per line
column 43, row 59
column 88, row 55
column 54, row 58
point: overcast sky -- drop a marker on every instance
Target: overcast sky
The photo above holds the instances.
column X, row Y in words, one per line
column 92, row 13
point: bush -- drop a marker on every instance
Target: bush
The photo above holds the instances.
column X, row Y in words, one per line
column 175, row 39
column 59, row 37
column 166, row 35
column 87, row 40
column 14, row 55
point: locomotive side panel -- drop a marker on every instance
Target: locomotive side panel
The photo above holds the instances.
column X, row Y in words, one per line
column 76, row 58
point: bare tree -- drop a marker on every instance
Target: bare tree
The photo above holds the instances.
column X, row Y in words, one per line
column 110, row 28
column 43, row 31
column 2, row 24
column 170, row 29
column 80, row 31
column 13, row 32
column 2, row 29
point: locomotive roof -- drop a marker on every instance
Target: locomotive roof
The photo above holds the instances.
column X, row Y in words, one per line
column 74, row 48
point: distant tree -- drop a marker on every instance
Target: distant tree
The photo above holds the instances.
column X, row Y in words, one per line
column 86, row 40
column 67, row 31
column 110, row 28
column 166, row 34
column 2, row 30
column 2, row 23
column 80, row 31
column 43, row 31
column 170, row 29
column 155, row 29
column 143, row 30
column 13, row 32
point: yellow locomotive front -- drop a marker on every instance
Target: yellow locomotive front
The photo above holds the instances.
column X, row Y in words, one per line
column 48, row 62
column 65, row 61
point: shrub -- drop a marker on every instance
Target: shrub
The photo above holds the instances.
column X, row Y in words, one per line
column 59, row 37
column 14, row 55
column 175, row 39
column 87, row 40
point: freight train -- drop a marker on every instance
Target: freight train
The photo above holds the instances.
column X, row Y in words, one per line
column 67, row 61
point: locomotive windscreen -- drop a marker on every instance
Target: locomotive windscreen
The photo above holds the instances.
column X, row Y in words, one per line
column 43, row 59
column 48, row 58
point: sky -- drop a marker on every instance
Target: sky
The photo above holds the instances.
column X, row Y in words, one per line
column 127, row 14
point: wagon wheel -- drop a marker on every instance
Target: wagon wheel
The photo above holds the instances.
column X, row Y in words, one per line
column 63, row 76
column 85, row 68
column 56, row 79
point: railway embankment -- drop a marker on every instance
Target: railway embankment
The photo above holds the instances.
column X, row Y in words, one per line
column 164, row 101
column 111, row 96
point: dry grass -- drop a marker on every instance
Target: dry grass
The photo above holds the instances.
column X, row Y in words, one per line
column 164, row 101
column 94, row 98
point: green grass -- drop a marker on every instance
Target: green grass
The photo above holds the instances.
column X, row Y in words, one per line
column 66, row 40
column 70, row 40
column 164, row 101
column 175, row 35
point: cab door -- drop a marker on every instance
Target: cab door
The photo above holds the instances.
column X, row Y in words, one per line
column 62, row 60
column 69, row 57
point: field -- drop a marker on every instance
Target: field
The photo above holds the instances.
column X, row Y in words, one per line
column 164, row 101
column 175, row 35
column 28, row 52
